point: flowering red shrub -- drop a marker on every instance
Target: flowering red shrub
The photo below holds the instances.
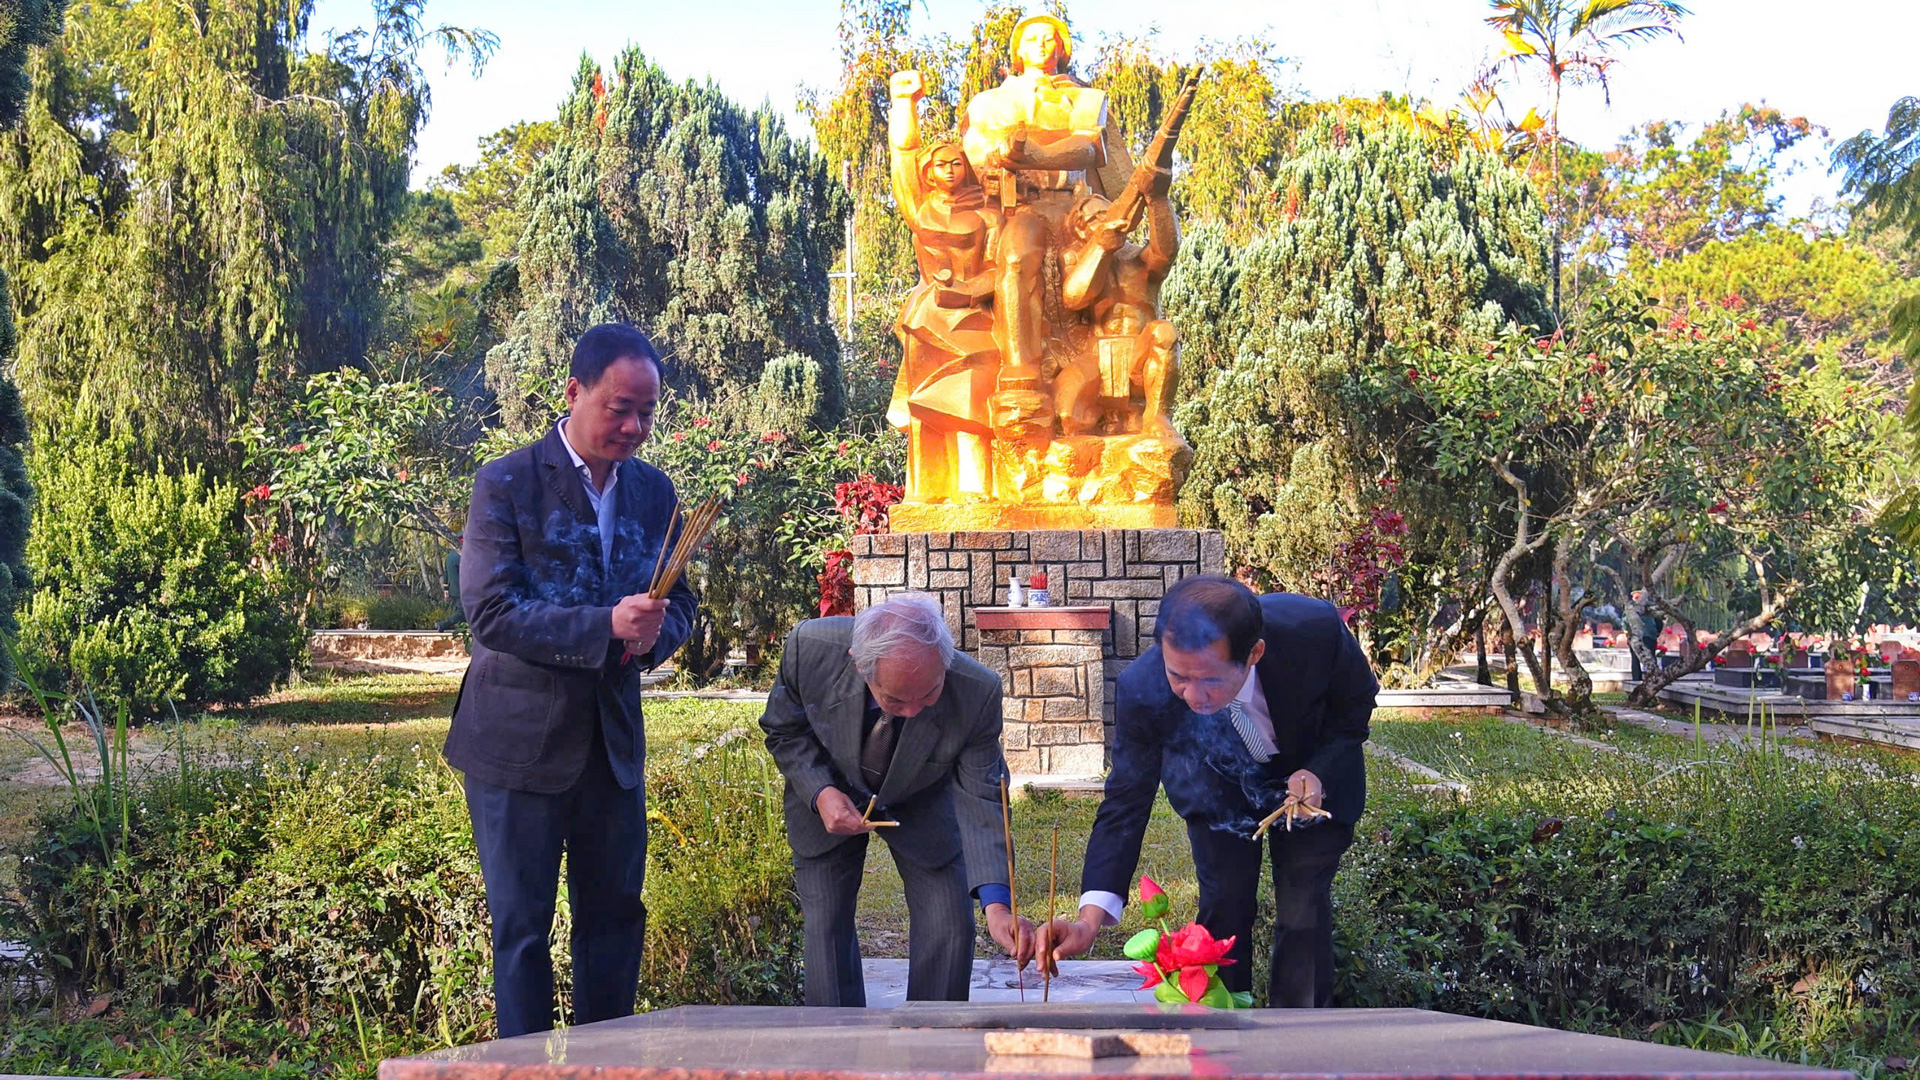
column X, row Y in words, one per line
column 865, row 502
column 836, row 584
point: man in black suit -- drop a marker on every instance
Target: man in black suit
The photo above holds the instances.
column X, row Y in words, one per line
column 561, row 539
column 881, row 710
column 1242, row 701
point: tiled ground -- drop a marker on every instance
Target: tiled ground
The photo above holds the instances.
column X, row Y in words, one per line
column 994, row 980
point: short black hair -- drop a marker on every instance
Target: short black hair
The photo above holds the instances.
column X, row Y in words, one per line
column 602, row 346
column 1205, row 608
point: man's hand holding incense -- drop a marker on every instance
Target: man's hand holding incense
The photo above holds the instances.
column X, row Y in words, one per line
column 636, row 621
column 1063, row 939
column 1306, row 788
column 1016, row 935
column 838, row 814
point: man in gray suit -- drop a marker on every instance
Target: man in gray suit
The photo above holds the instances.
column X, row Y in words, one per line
column 881, row 710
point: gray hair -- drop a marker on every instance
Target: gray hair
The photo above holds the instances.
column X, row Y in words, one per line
column 903, row 620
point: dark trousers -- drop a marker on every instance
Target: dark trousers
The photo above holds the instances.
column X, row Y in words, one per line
column 603, row 829
column 1228, row 867
column 939, row 933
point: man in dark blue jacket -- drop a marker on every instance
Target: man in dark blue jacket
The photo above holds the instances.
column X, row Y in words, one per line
column 1242, row 701
column 561, row 540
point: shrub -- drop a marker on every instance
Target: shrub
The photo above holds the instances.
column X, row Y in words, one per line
column 319, row 891
column 372, row 611
column 148, row 590
column 1733, row 885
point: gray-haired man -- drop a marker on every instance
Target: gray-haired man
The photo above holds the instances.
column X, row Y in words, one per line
column 880, row 709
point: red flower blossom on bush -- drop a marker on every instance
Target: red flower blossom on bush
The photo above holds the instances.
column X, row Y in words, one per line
column 715, row 445
column 262, row 492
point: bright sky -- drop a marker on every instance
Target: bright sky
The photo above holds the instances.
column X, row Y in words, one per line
column 1841, row 72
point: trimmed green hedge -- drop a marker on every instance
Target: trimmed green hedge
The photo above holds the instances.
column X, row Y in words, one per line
column 350, row 888
column 1631, row 896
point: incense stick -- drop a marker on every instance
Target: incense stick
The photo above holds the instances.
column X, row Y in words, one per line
column 866, row 817
column 1006, row 823
column 659, row 560
column 692, row 535
column 1053, row 891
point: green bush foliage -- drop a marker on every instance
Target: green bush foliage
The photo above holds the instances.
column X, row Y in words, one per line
column 1754, row 886
column 372, row 611
column 1377, row 241
column 331, row 890
column 148, row 589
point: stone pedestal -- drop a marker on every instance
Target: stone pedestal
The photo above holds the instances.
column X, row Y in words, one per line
column 1125, row 571
column 1052, row 667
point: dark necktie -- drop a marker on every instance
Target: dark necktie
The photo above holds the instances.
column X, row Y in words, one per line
column 877, row 753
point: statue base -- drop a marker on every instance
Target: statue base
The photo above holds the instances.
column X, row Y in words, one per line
column 910, row 517
column 1057, row 664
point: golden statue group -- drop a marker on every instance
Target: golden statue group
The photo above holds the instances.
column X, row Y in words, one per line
column 1037, row 371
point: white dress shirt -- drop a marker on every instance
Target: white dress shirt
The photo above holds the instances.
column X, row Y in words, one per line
column 601, row 501
column 1253, row 700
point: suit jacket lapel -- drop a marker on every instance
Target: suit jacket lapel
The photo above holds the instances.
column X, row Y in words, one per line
column 845, row 713
column 913, row 747
column 563, row 478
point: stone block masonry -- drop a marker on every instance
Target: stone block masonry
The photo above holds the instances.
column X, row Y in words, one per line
column 1057, row 672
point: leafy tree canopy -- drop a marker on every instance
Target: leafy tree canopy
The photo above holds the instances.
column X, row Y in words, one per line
column 1374, row 243
column 195, row 207
column 486, row 196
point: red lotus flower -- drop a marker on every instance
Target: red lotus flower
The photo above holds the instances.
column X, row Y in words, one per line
column 1193, row 983
column 1149, row 973
column 1149, row 888
column 1192, row 946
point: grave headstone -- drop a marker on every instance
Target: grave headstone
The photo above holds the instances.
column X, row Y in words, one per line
column 1841, row 675
column 1906, row 680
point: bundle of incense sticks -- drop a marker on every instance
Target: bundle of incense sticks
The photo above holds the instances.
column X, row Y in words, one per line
column 1290, row 811
column 692, row 533
column 670, row 564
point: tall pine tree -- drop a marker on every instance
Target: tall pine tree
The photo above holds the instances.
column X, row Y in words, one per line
column 667, row 205
column 1373, row 241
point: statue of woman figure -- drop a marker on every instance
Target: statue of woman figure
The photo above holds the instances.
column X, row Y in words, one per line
column 946, row 325
column 1032, row 139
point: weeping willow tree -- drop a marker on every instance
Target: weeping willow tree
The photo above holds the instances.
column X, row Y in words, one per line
column 195, row 206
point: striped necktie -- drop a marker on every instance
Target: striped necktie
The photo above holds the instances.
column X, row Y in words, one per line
column 1259, row 743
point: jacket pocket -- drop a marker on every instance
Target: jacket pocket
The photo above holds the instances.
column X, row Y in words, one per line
column 519, row 701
